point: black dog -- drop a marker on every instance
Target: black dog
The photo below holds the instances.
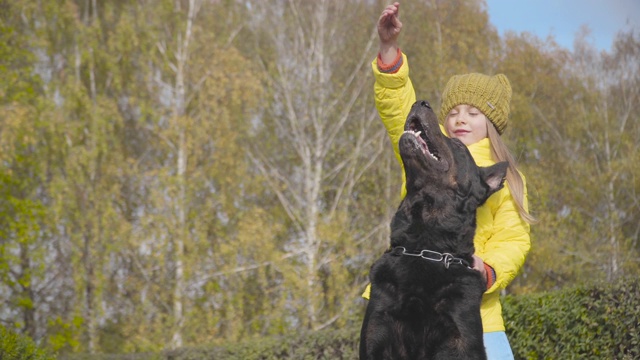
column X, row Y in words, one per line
column 425, row 296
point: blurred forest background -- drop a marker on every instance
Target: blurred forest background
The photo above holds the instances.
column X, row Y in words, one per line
column 184, row 172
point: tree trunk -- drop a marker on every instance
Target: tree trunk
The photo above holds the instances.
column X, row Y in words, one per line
column 179, row 114
column 89, row 311
column 28, row 314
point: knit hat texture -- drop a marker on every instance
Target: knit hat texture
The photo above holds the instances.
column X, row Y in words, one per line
column 489, row 94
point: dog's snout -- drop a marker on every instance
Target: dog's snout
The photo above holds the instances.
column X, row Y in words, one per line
column 425, row 104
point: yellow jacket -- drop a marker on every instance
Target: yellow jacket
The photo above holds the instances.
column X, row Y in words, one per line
column 502, row 237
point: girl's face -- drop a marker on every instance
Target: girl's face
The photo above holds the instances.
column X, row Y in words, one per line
column 466, row 123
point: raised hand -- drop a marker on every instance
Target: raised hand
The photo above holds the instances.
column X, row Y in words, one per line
column 389, row 27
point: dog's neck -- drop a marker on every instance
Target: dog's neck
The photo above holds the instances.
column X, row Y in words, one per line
column 445, row 234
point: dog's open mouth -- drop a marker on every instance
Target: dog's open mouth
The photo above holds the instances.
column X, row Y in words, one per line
column 427, row 147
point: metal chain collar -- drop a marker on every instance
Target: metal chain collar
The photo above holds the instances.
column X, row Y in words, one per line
column 445, row 258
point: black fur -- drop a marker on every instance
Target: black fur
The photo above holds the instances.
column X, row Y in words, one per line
column 420, row 309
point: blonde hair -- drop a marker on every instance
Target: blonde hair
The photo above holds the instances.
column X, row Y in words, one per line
column 500, row 152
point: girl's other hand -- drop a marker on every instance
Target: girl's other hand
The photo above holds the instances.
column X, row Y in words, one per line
column 478, row 264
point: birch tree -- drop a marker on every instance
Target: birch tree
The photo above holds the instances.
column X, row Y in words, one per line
column 22, row 250
column 318, row 74
column 173, row 44
column 575, row 138
column 204, row 91
column 611, row 139
column 82, row 188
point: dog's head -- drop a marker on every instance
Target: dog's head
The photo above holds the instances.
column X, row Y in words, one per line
column 444, row 184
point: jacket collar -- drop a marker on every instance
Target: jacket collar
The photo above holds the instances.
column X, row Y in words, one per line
column 481, row 152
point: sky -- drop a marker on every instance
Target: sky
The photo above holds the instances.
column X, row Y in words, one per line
column 563, row 18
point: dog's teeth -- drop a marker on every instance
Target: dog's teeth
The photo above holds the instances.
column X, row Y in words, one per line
column 412, row 132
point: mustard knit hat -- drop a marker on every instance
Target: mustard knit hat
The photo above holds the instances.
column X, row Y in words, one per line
column 489, row 94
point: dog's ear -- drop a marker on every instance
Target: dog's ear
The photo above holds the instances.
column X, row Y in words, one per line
column 494, row 176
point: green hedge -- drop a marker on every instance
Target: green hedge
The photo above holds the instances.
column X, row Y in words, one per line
column 17, row 347
column 588, row 322
column 596, row 322
column 322, row 345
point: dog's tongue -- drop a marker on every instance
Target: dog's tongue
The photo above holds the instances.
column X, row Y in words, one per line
column 423, row 144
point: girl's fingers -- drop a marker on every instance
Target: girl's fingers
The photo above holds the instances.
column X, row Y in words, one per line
column 389, row 17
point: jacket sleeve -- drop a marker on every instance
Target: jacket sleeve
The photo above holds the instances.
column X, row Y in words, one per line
column 394, row 95
column 510, row 242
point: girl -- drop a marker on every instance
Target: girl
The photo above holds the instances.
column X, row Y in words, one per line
column 475, row 109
